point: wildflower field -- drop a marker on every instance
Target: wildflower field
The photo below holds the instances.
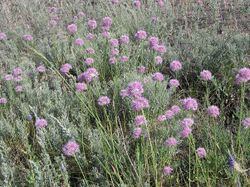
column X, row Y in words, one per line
column 125, row 93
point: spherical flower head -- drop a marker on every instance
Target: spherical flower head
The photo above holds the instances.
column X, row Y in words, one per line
column 114, row 2
column 79, row 42
column 65, row 68
column 243, row 75
column 160, row 49
column 52, row 23
column 81, row 87
column 72, row 28
column 103, row 100
column 140, row 120
column 175, row 65
column 92, row 24
column 41, row 123
column 246, row 122
column 205, row 75
column 114, row 52
column 158, row 60
column 161, row 118
column 90, row 36
column 187, row 123
column 70, row 148
column 124, row 58
column 137, row 132
column 169, row 114
column 124, row 93
column 41, row 68
column 158, row 76
column 106, row 22
column 168, row 170
column 89, row 61
column 90, row 50
column 175, row 109
column 141, row 69
column 3, row 100
column 88, row 75
column 160, row 3
column 137, row 3
column 186, row 131
column 190, row 104
column 213, row 111
column 140, row 103
column 17, row 71
column 112, row 60
column 135, row 89
column 141, row 35
column 201, row 152
column 18, row 88
column 124, row 39
column 28, row 37
column 3, row 36
column 114, row 42
column 153, row 41
column 8, row 77
column 105, row 34
column 173, row 83
column 170, row 142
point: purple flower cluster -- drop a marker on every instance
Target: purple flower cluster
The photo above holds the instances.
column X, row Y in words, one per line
column 41, row 123
column 213, row 111
column 140, row 120
column 65, row 68
column 70, row 148
column 189, row 104
column 243, row 75
column 89, row 75
column 103, row 100
column 205, row 75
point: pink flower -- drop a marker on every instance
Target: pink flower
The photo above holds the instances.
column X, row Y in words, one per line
column 160, row 3
column 141, row 35
column 89, row 61
column 137, row 132
column 169, row 114
column 161, row 118
column 158, row 60
column 70, row 148
column 246, row 122
column 141, row 69
column 175, row 65
column 124, row 39
column 8, row 77
column 65, row 68
column 80, row 87
column 153, row 41
column 3, row 100
column 167, row 171
column 190, row 104
column 90, row 36
column 106, row 22
column 114, row 42
column 81, row 14
column 187, row 122
column 174, row 83
column 89, row 75
column 40, row 123
column 124, row 93
column 201, row 152
column 72, row 28
column 137, row 3
column 105, row 34
column 114, row 52
column 135, row 89
column 243, row 75
column 213, row 111
column 27, row 37
column 186, row 131
column 92, row 24
column 175, row 109
column 158, row 76
column 90, row 50
column 160, row 49
column 18, row 88
column 124, row 58
column 17, row 71
column 103, row 100
column 3, row 36
column 41, row 68
column 140, row 103
column 205, row 75
column 79, row 42
column 170, row 142
column 140, row 120
column 112, row 60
